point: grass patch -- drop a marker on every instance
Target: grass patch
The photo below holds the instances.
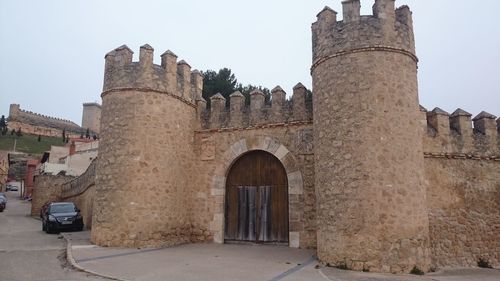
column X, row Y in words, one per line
column 29, row 143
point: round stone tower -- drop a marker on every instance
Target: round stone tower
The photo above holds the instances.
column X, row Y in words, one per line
column 145, row 151
column 371, row 198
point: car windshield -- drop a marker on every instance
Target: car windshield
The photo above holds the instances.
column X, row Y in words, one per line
column 62, row 208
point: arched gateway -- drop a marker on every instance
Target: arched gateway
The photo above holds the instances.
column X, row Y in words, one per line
column 256, row 202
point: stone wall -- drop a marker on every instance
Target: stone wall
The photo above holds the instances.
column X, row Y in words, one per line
column 462, row 167
column 47, row 189
column 258, row 112
column 81, row 191
column 464, row 211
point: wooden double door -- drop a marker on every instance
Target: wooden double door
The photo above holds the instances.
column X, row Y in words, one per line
column 257, row 200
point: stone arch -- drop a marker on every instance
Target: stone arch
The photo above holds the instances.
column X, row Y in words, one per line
column 294, row 175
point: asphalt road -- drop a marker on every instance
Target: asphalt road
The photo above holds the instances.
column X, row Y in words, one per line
column 27, row 253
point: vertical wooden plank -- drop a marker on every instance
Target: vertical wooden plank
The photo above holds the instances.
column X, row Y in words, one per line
column 265, row 223
column 242, row 213
column 252, row 213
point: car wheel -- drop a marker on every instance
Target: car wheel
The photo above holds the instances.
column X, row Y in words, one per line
column 44, row 228
column 79, row 228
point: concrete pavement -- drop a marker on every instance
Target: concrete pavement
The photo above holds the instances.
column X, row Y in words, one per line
column 232, row 262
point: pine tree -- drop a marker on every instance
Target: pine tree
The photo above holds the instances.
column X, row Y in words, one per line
column 64, row 135
column 19, row 133
column 2, row 123
column 39, row 138
column 87, row 134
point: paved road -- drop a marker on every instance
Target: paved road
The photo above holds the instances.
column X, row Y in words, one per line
column 27, row 253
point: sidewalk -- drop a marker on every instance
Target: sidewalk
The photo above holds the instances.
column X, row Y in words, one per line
column 229, row 262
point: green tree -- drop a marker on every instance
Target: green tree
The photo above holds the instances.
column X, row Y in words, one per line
column 64, row 135
column 19, row 133
column 87, row 134
column 2, row 123
column 246, row 90
column 39, row 138
column 225, row 83
column 12, row 132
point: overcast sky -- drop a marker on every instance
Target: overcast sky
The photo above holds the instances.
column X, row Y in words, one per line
column 52, row 52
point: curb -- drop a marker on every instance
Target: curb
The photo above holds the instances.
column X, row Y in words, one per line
column 76, row 266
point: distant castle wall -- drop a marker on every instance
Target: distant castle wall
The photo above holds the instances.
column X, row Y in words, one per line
column 38, row 124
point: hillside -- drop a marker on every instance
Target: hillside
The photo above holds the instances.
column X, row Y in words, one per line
column 29, row 143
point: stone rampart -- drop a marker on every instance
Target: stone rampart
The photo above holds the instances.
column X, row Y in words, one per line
column 462, row 168
column 460, row 136
column 463, row 199
column 36, row 123
column 258, row 113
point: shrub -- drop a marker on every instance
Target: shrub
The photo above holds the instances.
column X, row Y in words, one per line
column 484, row 263
column 416, row 271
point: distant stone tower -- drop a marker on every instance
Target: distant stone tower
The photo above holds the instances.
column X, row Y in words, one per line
column 371, row 199
column 14, row 110
column 91, row 116
column 146, row 151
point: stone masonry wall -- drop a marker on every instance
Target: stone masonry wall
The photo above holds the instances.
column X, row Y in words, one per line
column 85, row 202
column 47, row 189
column 462, row 167
column 464, row 211
column 216, row 150
column 81, row 191
column 277, row 111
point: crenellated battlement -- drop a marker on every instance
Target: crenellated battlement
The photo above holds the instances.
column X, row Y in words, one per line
column 460, row 134
column 172, row 77
column 277, row 111
column 387, row 29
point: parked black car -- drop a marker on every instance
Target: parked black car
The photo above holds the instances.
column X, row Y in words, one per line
column 3, row 203
column 59, row 216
